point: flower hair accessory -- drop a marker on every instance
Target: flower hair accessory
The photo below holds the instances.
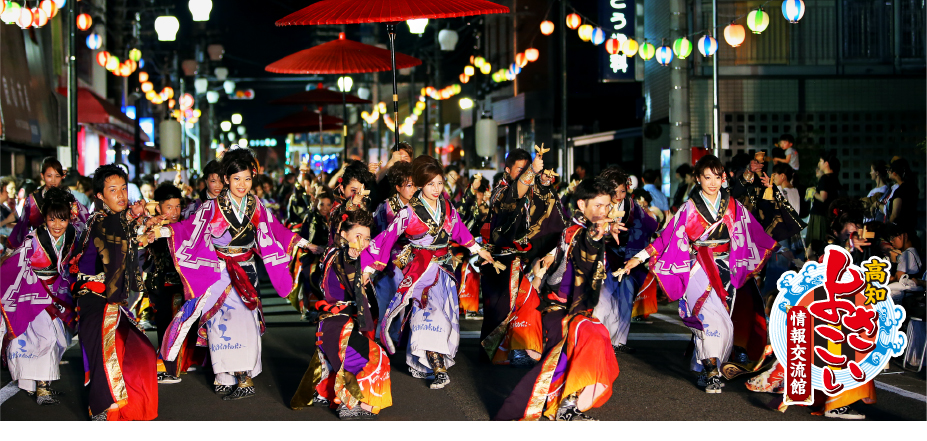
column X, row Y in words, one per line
column 339, row 180
column 344, row 217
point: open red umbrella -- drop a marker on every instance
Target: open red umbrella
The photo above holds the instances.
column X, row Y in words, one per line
column 341, row 56
column 390, row 12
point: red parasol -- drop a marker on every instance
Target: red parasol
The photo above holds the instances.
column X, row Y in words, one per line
column 390, row 12
column 318, row 96
column 386, row 11
column 341, row 56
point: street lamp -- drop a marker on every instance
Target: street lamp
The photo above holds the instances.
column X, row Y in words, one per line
column 200, row 9
column 236, row 118
column 221, row 74
column 212, row 97
column 417, row 26
column 465, row 103
column 225, row 126
column 167, row 26
column 229, row 87
column 345, row 83
column 447, row 38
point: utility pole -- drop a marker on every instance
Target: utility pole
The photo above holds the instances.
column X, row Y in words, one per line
column 567, row 158
column 680, row 147
column 72, row 83
column 715, row 110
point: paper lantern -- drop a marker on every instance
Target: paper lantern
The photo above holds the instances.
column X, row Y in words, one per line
column 629, row 47
column 486, row 68
column 585, row 32
column 168, row 92
column 478, row 62
column 167, row 26
column 170, row 134
column 793, row 10
column 547, row 27
column 25, row 18
column 142, row 77
column 734, row 34
column 682, row 47
column 598, row 36
column 464, row 78
column 94, row 41
column 573, row 21
column 112, row 63
column 417, row 25
column 135, row 54
column 84, row 21
column 521, row 60
column 664, row 55
column 757, row 21
column 707, row 45
column 465, row 103
column 613, row 46
column 147, row 86
column 487, row 137
column 646, row 51
column 39, row 17
column 200, row 85
column 200, row 9
column 11, row 12
column 102, row 58
column 49, row 7
column 515, row 69
column 125, row 69
column 448, row 38
column 132, row 65
column 150, row 95
column 469, row 71
column 532, row 54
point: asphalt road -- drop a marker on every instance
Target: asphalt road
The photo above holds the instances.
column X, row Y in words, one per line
column 654, row 384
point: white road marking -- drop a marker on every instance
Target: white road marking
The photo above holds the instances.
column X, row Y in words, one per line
column 900, row 391
column 8, row 391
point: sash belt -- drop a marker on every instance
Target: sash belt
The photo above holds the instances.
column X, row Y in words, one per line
column 240, row 280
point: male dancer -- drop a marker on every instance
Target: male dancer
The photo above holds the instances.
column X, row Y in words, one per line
column 525, row 221
column 121, row 361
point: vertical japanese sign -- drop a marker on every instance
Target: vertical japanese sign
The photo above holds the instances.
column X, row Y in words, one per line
column 616, row 17
column 834, row 325
column 798, row 364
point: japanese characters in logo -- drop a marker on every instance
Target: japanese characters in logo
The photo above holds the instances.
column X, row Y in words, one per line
column 834, row 326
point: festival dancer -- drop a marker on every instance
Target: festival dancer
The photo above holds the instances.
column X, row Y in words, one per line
column 163, row 284
column 120, row 360
column 37, row 300
column 214, row 185
column 474, row 212
column 31, row 215
column 300, row 200
column 429, row 222
column 525, row 221
column 616, row 301
column 349, row 367
column 350, row 194
column 731, row 248
column 572, row 376
column 400, row 177
column 214, row 252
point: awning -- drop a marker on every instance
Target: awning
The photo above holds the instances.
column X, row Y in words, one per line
column 105, row 117
column 596, row 138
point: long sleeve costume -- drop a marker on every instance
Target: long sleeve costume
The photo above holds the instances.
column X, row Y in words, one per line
column 31, row 217
column 38, row 307
column 348, row 364
column 214, row 252
column 428, row 283
column 387, row 282
column 120, row 359
column 575, row 340
column 519, row 229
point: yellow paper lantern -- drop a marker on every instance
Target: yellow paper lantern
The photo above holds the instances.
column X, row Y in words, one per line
column 469, row 71
column 585, row 32
column 629, row 47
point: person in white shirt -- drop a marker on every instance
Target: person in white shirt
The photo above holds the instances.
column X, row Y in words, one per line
column 907, row 260
column 782, row 178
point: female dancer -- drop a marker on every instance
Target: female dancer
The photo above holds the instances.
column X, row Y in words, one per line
column 348, row 359
column 31, row 216
column 730, row 248
column 214, row 253
column 430, row 222
column 37, row 300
